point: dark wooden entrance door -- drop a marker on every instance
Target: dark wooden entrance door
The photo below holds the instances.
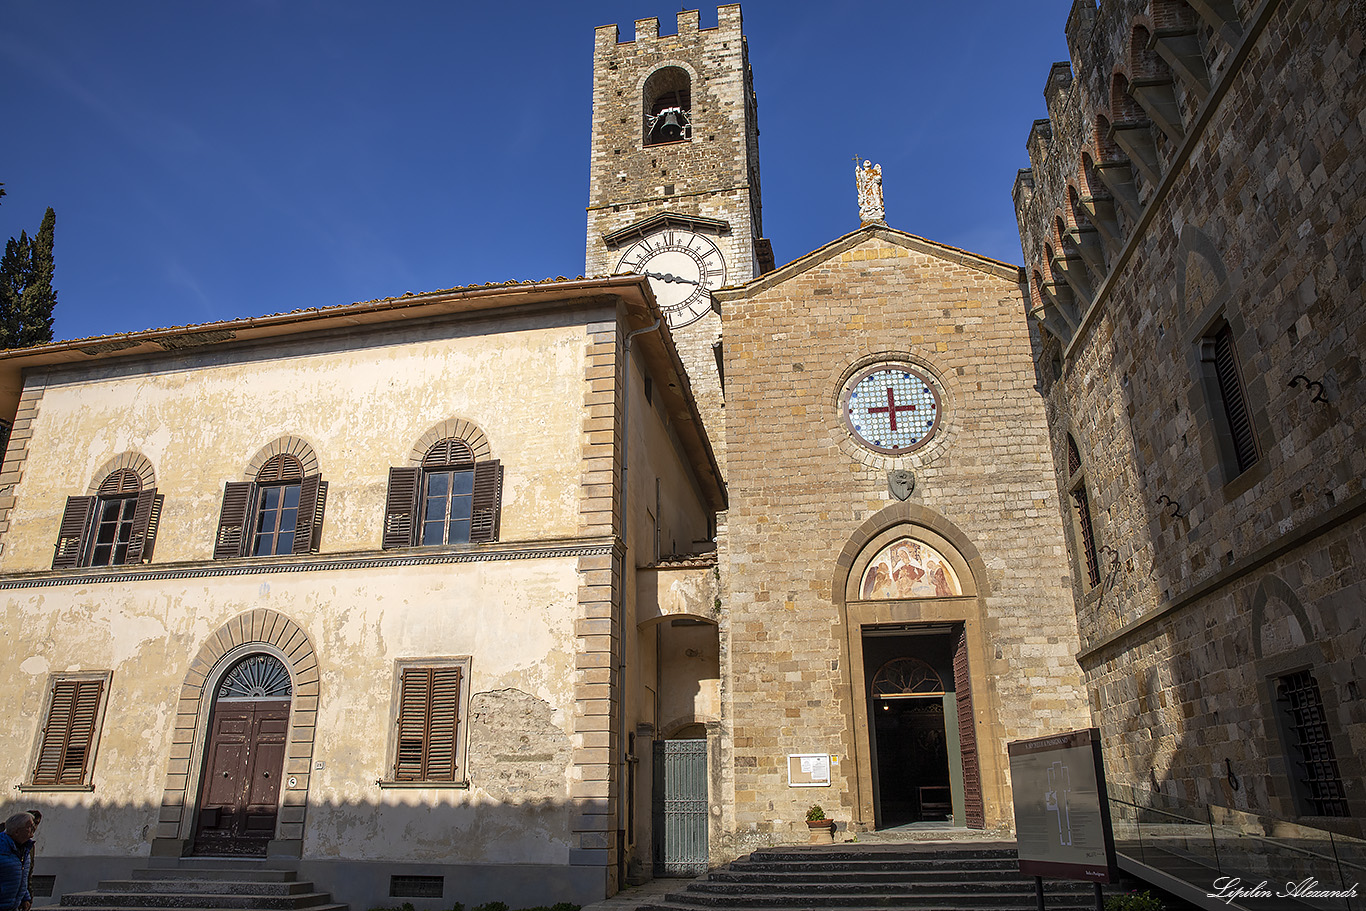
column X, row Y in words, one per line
column 240, row 795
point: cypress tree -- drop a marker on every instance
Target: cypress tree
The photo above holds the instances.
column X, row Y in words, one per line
column 34, row 323
column 26, row 295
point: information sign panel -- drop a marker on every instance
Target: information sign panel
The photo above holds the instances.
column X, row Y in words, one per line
column 808, row 770
column 1062, row 814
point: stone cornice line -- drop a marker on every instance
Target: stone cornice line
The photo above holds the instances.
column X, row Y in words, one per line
column 1325, row 522
column 652, row 199
column 315, row 563
column 1193, row 138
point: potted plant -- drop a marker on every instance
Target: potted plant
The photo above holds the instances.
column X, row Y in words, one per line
column 822, row 830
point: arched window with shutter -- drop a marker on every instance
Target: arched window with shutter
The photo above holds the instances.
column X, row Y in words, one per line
column 114, row 526
column 452, row 496
column 279, row 511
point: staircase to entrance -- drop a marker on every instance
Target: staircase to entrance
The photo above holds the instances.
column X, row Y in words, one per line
column 204, row 884
column 853, row 877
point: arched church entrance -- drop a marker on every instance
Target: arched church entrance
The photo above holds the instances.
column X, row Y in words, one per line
column 239, row 792
column 911, row 609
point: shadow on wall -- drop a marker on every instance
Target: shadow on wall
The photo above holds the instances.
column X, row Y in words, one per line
column 365, row 846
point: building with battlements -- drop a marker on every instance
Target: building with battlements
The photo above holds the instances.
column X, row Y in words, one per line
column 1192, row 224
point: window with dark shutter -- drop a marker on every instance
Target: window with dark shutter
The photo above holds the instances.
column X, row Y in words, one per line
column 68, row 738
column 400, row 506
column 428, row 724
column 115, row 528
column 71, row 534
column 232, row 519
column 451, row 499
column 281, row 512
column 1234, row 401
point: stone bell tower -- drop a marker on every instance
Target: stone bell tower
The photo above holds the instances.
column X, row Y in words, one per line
column 674, row 179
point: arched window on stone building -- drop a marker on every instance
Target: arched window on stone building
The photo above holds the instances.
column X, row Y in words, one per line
column 1083, row 533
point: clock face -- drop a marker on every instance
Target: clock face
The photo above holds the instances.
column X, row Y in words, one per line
column 683, row 267
column 891, row 409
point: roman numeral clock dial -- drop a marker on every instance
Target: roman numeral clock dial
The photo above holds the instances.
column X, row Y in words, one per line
column 684, row 268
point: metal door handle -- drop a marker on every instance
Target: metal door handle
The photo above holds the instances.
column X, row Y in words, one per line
column 225, row 774
column 267, row 774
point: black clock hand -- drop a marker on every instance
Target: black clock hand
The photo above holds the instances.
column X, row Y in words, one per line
column 667, row 277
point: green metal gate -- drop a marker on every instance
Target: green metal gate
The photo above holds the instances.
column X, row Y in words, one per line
column 680, row 807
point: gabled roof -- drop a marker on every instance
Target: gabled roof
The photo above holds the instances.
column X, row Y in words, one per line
column 1003, row 270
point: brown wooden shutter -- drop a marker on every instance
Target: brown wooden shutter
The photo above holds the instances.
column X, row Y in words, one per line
column 68, row 736
column 72, row 532
column 428, row 722
column 1235, row 404
column 400, row 507
column 967, row 736
column 488, row 501
column 238, row 498
column 146, row 518
column 308, row 521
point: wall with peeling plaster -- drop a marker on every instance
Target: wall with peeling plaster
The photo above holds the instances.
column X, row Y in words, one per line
column 361, row 402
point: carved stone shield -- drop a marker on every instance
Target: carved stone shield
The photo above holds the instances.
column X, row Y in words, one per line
column 900, row 483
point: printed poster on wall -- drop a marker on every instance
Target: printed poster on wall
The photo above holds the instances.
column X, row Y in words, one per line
column 1062, row 814
column 808, row 770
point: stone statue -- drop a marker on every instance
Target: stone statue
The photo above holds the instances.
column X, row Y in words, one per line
column 868, row 176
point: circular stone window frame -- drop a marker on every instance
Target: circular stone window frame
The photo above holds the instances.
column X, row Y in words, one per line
column 925, row 452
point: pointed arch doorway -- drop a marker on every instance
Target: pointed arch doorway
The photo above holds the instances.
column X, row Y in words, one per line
column 239, row 792
column 912, row 587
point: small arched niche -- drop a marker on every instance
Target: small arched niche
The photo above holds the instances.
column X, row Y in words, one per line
column 667, row 105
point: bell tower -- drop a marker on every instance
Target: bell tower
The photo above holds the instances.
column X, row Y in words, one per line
column 674, row 179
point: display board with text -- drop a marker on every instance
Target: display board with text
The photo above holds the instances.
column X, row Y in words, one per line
column 1062, row 814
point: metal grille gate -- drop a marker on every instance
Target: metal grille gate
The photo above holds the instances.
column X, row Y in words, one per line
column 680, row 807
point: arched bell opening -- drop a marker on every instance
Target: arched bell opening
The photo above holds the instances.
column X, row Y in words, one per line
column 667, row 106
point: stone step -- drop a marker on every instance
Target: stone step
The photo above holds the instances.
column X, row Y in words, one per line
column 114, row 905
column 214, row 886
column 816, row 886
column 232, row 873
column 805, row 903
column 912, row 853
column 890, row 874
column 219, row 900
column 872, row 864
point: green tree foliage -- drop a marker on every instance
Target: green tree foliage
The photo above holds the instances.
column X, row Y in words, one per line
column 27, row 298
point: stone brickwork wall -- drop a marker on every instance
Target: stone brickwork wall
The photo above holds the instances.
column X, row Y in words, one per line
column 802, row 492
column 1202, row 165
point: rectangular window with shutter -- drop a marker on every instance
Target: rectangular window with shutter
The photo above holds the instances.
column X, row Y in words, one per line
column 1225, row 396
column 65, row 756
column 430, row 701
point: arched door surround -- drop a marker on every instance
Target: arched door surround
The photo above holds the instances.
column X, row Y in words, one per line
column 258, row 631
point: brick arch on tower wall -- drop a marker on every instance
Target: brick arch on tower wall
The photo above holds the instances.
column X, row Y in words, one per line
column 261, row 630
column 992, row 803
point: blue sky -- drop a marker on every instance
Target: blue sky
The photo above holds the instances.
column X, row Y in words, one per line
column 211, row 161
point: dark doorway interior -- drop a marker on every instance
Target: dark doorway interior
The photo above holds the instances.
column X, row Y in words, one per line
column 917, row 765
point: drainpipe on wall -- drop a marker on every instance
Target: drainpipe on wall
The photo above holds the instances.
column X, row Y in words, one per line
column 623, row 777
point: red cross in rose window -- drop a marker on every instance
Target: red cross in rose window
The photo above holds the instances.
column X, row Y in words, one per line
column 892, row 408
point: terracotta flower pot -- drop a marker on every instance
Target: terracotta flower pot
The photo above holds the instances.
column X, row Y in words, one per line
column 822, row 831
